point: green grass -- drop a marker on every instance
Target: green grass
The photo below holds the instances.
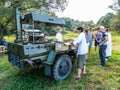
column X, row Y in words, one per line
column 4, row 64
column 9, row 38
column 68, row 35
column 97, row 78
column 116, row 40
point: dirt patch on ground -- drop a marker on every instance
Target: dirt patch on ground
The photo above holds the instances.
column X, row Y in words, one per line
column 116, row 47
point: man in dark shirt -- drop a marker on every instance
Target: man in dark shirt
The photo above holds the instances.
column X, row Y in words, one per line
column 103, row 45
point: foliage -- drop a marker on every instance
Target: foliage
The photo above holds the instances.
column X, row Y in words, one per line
column 6, row 20
column 9, row 38
column 105, row 20
column 71, row 24
column 88, row 24
column 115, row 22
column 115, row 6
column 7, row 14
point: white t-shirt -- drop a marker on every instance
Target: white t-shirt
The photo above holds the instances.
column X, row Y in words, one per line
column 109, row 45
column 82, row 45
column 59, row 37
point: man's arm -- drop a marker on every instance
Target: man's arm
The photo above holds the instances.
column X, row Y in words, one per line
column 105, row 40
column 77, row 40
column 94, row 36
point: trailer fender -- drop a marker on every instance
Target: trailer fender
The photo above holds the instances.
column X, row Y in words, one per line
column 51, row 57
column 49, row 62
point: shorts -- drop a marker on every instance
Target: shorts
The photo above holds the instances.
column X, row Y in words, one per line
column 81, row 61
column 96, row 43
column 90, row 43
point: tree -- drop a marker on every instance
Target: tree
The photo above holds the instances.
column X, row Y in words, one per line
column 71, row 24
column 7, row 22
column 115, row 22
column 88, row 24
column 105, row 20
column 115, row 6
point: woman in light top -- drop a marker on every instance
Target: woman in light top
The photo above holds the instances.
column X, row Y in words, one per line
column 59, row 36
column 109, row 45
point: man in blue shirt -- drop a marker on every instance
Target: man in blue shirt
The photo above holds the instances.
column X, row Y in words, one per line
column 103, row 45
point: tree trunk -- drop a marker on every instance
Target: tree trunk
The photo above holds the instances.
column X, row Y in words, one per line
column 1, row 37
column 1, row 34
column 2, row 28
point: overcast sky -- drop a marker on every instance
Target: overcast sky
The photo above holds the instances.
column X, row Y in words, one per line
column 86, row 10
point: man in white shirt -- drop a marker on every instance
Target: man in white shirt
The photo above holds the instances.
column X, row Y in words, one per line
column 80, row 41
column 59, row 36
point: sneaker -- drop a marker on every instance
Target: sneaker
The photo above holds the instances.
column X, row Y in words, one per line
column 106, row 59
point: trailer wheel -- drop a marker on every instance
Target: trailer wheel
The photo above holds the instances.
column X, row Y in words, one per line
column 62, row 67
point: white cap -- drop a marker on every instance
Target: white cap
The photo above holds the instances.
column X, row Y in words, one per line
column 60, row 30
column 102, row 27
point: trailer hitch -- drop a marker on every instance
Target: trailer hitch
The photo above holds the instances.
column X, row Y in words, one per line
column 28, row 61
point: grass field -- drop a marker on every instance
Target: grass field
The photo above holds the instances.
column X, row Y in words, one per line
column 97, row 78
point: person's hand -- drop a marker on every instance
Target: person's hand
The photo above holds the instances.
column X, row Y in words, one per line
column 76, row 45
column 67, row 43
column 98, row 41
column 71, row 42
column 100, row 44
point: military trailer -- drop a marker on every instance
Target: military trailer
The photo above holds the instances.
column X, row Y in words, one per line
column 54, row 57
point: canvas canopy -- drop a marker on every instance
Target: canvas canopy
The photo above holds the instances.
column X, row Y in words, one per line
column 43, row 18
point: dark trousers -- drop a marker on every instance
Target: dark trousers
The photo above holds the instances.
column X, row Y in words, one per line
column 102, row 54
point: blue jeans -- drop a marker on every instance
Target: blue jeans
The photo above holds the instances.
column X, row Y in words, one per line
column 102, row 54
column 90, row 43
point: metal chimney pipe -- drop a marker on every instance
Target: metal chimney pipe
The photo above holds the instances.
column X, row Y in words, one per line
column 18, row 25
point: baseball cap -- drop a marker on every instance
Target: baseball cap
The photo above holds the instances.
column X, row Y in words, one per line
column 102, row 27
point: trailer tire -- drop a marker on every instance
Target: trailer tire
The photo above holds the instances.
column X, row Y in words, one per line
column 62, row 67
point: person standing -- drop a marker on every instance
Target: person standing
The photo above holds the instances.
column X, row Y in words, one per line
column 87, row 40
column 80, row 41
column 102, row 45
column 46, row 34
column 90, row 33
column 109, row 45
column 87, row 37
column 59, row 36
column 97, row 36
